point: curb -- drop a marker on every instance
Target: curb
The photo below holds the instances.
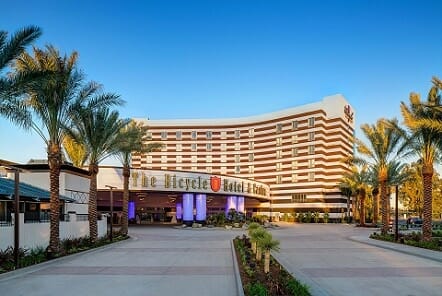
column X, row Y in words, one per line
column 405, row 249
column 239, row 288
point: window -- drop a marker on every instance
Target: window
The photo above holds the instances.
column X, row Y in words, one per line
column 251, row 169
column 311, row 136
column 193, row 147
column 209, row 146
column 237, row 146
column 278, row 179
column 294, row 165
column 311, row 176
column 251, row 157
column 278, row 141
column 237, row 134
column 223, row 146
column 193, row 134
column 311, row 163
column 178, row 168
column 149, row 135
column 251, row 132
column 294, row 151
column 298, row 198
column 223, row 158
column 237, row 169
column 209, row 134
column 251, row 145
column 193, row 158
column 178, row 135
column 163, row 158
column 209, row 170
column 237, row 158
column 223, row 170
column 311, row 149
column 294, row 139
column 278, row 166
column 223, row 134
column 149, row 159
column 294, row 178
column 163, row 135
column 194, row 168
column 179, row 158
column 311, row 122
column 279, row 127
column 295, row 124
column 179, row 147
column 278, row 154
column 209, row 158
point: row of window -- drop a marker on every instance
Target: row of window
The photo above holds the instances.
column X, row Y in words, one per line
column 237, row 133
column 310, row 178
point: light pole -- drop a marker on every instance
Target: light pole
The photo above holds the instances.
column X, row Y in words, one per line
column 396, row 216
column 111, row 236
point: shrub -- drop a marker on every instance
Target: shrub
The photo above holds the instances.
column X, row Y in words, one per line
column 256, row 289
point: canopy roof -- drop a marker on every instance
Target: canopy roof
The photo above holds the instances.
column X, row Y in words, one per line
column 7, row 189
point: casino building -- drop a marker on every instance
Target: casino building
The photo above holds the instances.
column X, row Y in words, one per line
column 284, row 162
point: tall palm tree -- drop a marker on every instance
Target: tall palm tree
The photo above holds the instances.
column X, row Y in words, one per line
column 98, row 130
column 131, row 139
column 385, row 145
column 9, row 88
column 357, row 180
column 425, row 143
column 52, row 101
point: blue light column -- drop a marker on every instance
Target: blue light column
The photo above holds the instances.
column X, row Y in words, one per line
column 179, row 211
column 240, row 204
column 188, row 208
column 200, row 200
column 230, row 204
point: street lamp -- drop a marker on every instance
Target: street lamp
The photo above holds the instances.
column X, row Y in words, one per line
column 396, row 216
column 111, row 236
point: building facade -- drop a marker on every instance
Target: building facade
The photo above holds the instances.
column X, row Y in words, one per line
column 297, row 152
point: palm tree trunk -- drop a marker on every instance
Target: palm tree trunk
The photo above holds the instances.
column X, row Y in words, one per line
column 258, row 254
column 375, row 207
column 384, row 206
column 92, row 209
column 54, row 161
column 354, row 208
column 427, row 175
column 254, row 247
column 362, row 208
column 124, row 219
column 267, row 261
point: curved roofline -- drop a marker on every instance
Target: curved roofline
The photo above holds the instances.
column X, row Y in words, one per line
column 243, row 120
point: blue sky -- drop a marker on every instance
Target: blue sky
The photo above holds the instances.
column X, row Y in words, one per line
column 211, row 59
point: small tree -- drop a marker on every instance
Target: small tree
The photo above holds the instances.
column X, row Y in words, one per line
column 255, row 236
column 267, row 243
column 252, row 227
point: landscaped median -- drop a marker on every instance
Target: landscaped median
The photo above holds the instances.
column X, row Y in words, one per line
column 413, row 239
column 263, row 277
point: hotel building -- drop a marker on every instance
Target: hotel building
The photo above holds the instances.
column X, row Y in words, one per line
column 297, row 153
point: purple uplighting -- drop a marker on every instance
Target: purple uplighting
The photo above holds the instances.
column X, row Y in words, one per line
column 179, row 210
column 240, row 204
column 131, row 210
column 200, row 200
column 187, row 207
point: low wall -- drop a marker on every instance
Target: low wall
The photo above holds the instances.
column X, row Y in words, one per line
column 33, row 235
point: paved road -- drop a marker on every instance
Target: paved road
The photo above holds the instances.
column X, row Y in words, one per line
column 324, row 257
column 167, row 261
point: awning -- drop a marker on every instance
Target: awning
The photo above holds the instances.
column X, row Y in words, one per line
column 7, row 189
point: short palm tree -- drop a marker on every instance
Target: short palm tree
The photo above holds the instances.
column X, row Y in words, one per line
column 98, row 130
column 426, row 144
column 267, row 243
column 255, row 236
column 385, row 145
column 50, row 103
column 252, row 227
column 131, row 139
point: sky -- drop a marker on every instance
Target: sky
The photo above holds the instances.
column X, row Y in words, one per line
column 233, row 58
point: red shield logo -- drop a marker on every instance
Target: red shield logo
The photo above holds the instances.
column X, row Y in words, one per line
column 215, row 183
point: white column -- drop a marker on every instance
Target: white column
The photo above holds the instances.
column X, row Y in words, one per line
column 240, row 204
column 200, row 200
column 187, row 207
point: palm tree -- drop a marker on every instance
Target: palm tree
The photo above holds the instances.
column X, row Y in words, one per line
column 98, row 130
column 347, row 191
column 252, row 227
column 9, row 88
column 425, row 143
column 131, row 139
column 255, row 236
column 52, row 100
column 267, row 243
column 385, row 145
column 357, row 181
